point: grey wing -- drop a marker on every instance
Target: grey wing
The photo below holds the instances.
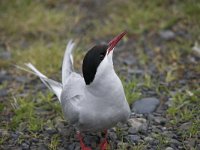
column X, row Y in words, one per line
column 67, row 66
column 71, row 110
column 72, row 96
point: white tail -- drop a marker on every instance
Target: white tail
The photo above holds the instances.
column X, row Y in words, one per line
column 54, row 86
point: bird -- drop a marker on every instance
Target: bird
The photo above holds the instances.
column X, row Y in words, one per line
column 94, row 101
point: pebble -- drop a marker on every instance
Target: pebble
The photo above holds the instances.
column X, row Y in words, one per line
column 3, row 92
column 160, row 120
column 133, row 138
column 145, row 105
column 51, row 131
column 25, row 146
column 132, row 130
column 169, row 148
column 148, row 139
column 167, row 34
column 138, row 124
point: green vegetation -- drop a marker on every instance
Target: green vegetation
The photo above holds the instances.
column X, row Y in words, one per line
column 185, row 109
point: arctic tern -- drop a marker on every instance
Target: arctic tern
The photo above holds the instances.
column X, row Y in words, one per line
column 95, row 101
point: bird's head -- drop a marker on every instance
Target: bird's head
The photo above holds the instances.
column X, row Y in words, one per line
column 98, row 63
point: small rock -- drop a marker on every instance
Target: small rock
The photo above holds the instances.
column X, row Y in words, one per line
column 196, row 48
column 3, row 92
column 169, row 148
column 71, row 146
column 51, row 131
column 42, row 147
column 130, row 60
column 169, row 103
column 25, row 146
column 185, row 126
column 160, row 120
column 22, row 79
column 122, row 145
column 132, row 130
column 167, row 35
column 112, row 136
column 174, row 142
column 148, row 139
column 145, row 105
column 133, row 138
column 91, row 140
column 34, row 140
column 4, row 77
column 138, row 124
column 6, row 55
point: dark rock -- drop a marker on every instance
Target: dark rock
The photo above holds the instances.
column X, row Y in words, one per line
column 112, row 136
column 130, row 60
column 6, row 55
column 167, row 35
column 15, row 136
column 25, row 146
column 174, row 142
column 3, row 92
column 42, row 147
column 148, row 139
column 34, row 140
column 132, row 130
column 22, row 79
column 160, row 120
column 71, row 146
column 185, row 126
column 145, row 105
column 4, row 77
column 51, row 131
column 133, row 138
column 90, row 140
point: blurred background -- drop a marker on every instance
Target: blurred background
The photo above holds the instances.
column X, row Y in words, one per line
column 159, row 57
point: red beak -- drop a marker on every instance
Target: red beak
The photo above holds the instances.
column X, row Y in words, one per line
column 114, row 42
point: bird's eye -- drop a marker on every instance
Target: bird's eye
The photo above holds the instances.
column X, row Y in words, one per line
column 101, row 56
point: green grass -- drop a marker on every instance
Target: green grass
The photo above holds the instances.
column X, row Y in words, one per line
column 26, row 113
column 186, row 109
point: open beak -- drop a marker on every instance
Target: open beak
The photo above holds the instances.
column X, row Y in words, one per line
column 114, row 42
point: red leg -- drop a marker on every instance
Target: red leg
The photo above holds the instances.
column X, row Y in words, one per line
column 83, row 147
column 104, row 143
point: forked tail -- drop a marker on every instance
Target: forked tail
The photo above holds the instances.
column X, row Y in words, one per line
column 54, row 86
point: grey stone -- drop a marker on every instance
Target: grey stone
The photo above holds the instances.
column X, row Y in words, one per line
column 3, row 92
column 4, row 77
column 25, row 146
column 132, row 130
column 133, row 138
column 185, row 126
column 112, row 136
column 160, row 120
column 42, row 147
column 138, row 124
column 175, row 142
column 169, row 148
column 148, row 139
column 22, row 79
column 167, row 35
column 51, row 131
column 145, row 105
